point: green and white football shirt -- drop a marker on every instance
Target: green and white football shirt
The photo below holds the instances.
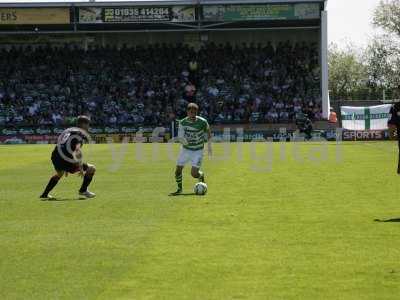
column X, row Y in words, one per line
column 195, row 132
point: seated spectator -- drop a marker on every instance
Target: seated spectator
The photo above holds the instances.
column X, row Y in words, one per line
column 152, row 85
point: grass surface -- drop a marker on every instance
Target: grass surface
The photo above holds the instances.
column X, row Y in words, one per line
column 290, row 227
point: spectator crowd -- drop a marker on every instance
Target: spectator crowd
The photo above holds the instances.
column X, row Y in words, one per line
column 152, row 85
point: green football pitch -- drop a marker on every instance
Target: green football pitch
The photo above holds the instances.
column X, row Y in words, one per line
column 291, row 221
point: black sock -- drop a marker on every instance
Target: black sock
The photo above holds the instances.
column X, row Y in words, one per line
column 178, row 179
column 398, row 167
column 398, row 164
column 86, row 181
column 52, row 183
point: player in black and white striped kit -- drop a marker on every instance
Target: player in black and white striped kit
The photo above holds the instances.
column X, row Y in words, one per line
column 67, row 158
column 394, row 125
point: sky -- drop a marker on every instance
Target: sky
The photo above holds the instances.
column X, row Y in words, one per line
column 349, row 20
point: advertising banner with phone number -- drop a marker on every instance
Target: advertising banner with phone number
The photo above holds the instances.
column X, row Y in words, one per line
column 131, row 14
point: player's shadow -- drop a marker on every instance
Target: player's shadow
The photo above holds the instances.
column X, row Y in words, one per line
column 183, row 194
column 64, row 199
column 394, row 220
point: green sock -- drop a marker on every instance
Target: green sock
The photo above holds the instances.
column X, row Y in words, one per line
column 178, row 179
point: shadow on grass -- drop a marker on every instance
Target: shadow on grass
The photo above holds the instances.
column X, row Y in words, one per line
column 65, row 199
column 183, row 194
column 395, row 220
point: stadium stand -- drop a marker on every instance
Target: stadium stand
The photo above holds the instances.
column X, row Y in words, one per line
column 151, row 85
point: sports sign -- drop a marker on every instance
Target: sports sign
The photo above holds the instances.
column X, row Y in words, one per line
column 260, row 12
column 131, row 14
column 34, row 16
column 365, row 135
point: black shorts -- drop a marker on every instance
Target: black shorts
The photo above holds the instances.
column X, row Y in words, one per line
column 62, row 165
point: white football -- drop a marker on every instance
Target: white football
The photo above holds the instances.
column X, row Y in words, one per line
column 200, row 188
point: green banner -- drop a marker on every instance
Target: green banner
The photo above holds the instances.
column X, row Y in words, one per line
column 261, row 12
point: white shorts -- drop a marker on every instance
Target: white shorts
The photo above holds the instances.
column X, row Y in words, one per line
column 195, row 157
